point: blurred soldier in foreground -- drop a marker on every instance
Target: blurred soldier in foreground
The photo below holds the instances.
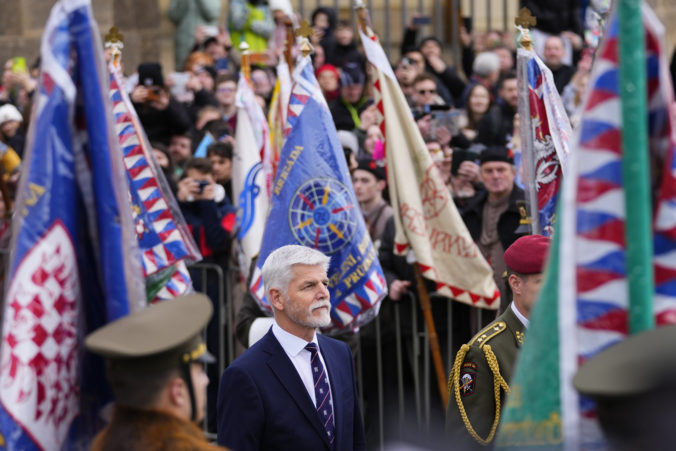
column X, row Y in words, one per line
column 155, row 367
column 483, row 368
column 633, row 386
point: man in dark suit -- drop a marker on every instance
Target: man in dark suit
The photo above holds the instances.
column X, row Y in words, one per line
column 294, row 389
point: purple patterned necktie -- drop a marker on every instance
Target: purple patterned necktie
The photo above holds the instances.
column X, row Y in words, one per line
column 322, row 392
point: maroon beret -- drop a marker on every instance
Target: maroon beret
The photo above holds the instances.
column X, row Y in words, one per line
column 527, row 254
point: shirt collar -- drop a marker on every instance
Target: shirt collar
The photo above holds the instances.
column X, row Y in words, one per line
column 291, row 344
column 525, row 321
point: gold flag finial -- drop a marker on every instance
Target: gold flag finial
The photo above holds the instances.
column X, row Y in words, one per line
column 523, row 22
column 305, row 30
column 525, row 19
column 115, row 42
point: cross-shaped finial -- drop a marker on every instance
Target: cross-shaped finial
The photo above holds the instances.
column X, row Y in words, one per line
column 525, row 19
column 114, row 35
column 305, row 30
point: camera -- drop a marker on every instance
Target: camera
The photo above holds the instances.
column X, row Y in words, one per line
column 202, row 185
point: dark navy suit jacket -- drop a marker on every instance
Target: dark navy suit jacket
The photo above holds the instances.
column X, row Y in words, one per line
column 263, row 404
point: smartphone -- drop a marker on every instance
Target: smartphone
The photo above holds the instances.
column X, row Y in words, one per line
column 180, row 80
column 210, row 30
column 203, row 184
column 153, row 94
column 422, row 20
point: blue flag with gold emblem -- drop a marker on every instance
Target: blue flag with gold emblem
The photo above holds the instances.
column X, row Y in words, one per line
column 313, row 204
column 74, row 263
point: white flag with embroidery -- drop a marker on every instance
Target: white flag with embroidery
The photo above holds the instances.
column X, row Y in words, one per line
column 249, row 181
column 426, row 218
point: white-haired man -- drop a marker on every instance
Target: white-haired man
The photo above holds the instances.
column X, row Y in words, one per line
column 294, row 389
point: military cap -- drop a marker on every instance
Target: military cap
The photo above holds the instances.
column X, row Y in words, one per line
column 636, row 365
column 527, row 254
column 496, row 153
column 161, row 336
column 368, row 165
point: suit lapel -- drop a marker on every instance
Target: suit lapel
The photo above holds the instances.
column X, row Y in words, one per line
column 288, row 377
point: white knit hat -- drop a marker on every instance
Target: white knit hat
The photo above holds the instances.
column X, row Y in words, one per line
column 8, row 112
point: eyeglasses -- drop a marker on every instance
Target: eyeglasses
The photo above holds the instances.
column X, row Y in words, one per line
column 225, row 89
column 422, row 92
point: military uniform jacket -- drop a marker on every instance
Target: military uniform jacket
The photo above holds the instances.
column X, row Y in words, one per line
column 482, row 368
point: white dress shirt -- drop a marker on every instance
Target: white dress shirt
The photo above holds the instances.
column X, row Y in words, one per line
column 525, row 321
column 300, row 357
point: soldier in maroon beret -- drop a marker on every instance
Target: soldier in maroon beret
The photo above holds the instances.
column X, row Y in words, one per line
column 488, row 359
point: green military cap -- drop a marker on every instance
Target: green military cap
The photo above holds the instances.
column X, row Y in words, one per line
column 161, row 336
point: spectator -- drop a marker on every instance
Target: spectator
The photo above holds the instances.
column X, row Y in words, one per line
column 373, row 144
column 369, row 183
column 492, row 217
column 180, row 151
column 188, row 15
column 506, row 57
column 218, row 50
column 160, row 114
column 344, row 49
column 430, row 47
column 553, row 58
column 250, row 21
column 425, row 91
column 497, row 126
column 163, row 160
column 10, row 128
column 263, row 81
column 327, row 77
column 211, row 218
column 406, row 71
column 220, row 155
column 323, row 21
column 477, row 105
column 485, row 72
column 226, row 90
column 351, row 102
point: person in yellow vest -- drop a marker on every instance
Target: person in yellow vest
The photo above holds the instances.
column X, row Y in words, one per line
column 483, row 368
column 251, row 21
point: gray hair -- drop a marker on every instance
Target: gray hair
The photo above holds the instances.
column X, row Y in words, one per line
column 486, row 63
column 277, row 270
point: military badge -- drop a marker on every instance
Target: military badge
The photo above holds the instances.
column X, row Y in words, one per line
column 467, row 381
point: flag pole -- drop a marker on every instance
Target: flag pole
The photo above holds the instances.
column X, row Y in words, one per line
column 423, row 295
column 523, row 21
column 245, row 60
column 635, row 169
column 288, row 44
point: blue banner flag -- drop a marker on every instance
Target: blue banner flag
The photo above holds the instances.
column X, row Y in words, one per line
column 75, row 263
column 313, row 204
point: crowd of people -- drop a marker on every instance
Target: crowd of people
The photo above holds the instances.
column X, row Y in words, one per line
column 467, row 115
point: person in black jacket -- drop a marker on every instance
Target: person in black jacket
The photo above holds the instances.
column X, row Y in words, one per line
column 497, row 126
column 347, row 108
column 492, row 217
column 161, row 115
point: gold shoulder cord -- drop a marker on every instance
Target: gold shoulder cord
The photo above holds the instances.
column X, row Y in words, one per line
column 498, row 382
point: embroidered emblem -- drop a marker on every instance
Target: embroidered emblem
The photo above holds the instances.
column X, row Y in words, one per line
column 467, row 381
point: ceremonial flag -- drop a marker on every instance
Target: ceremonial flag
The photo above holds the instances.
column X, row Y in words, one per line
column 163, row 236
column 249, row 181
column 313, row 204
column 545, row 138
column 426, row 219
column 584, row 305
column 75, row 261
